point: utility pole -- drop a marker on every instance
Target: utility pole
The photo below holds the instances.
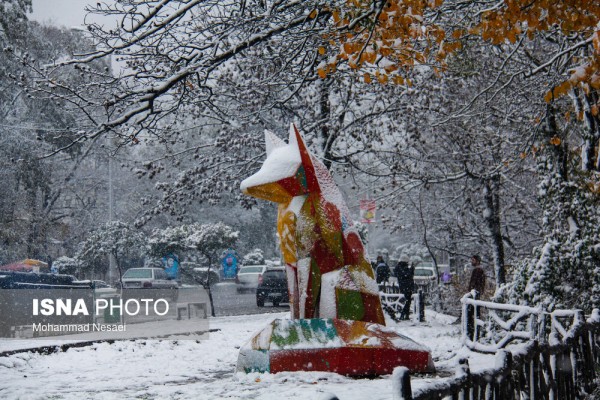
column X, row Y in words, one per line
column 112, row 262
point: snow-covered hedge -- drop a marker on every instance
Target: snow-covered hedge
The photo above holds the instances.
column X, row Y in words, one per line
column 255, row 257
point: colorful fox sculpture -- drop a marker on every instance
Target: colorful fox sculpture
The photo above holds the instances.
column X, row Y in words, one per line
column 328, row 274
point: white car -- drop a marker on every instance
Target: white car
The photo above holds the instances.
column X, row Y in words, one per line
column 147, row 278
column 249, row 276
column 425, row 274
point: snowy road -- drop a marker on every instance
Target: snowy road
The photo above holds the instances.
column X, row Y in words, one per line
column 204, row 370
column 229, row 302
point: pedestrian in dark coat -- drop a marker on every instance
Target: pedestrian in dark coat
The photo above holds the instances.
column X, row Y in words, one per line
column 477, row 281
column 405, row 274
column 382, row 271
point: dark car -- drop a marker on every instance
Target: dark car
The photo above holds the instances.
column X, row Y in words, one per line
column 272, row 287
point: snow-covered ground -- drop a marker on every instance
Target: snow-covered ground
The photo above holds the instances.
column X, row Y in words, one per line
column 185, row 369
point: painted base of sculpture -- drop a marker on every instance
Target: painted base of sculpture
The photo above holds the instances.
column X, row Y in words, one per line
column 352, row 348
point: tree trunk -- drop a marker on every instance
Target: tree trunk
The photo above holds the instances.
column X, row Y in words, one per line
column 118, row 269
column 492, row 219
column 32, row 236
column 584, row 103
column 210, row 298
column 325, row 117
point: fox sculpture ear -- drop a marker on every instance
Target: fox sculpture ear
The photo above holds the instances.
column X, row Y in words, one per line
column 309, row 169
column 272, row 142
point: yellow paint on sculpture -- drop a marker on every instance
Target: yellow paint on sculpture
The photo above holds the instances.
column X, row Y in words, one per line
column 286, row 227
column 270, row 192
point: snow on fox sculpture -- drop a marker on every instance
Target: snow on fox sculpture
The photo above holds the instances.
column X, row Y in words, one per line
column 328, row 274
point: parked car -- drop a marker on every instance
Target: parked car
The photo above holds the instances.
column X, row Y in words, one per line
column 96, row 284
column 272, row 288
column 205, row 277
column 249, row 276
column 194, row 274
column 137, row 278
column 425, row 276
column 36, row 280
column 151, row 278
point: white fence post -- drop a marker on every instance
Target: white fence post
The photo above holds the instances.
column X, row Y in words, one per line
column 401, row 389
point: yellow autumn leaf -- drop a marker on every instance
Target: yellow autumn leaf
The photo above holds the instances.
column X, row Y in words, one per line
column 555, row 141
column 367, row 77
column 322, row 73
column 321, row 50
column 398, row 80
column 336, row 16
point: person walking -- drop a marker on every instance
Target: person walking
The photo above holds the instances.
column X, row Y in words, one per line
column 477, row 283
column 382, row 271
column 405, row 274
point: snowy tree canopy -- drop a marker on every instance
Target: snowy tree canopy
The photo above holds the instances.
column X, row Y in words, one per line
column 211, row 239
column 67, row 265
column 415, row 252
column 255, row 257
column 114, row 238
column 169, row 240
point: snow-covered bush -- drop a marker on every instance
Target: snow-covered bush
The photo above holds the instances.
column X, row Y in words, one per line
column 114, row 238
column 67, row 265
column 255, row 257
column 414, row 251
column 169, row 240
column 211, row 239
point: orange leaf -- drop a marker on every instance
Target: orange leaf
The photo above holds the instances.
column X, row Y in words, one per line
column 555, row 141
column 321, row 50
column 457, row 34
column 322, row 73
column 336, row 16
column 367, row 78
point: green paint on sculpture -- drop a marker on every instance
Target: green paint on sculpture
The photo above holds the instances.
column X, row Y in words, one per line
column 350, row 305
column 292, row 333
